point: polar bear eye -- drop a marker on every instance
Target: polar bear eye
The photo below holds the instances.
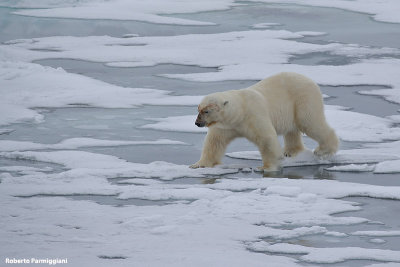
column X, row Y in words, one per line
column 206, row 111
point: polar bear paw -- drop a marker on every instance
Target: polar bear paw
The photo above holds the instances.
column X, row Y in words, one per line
column 201, row 164
column 195, row 166
column 323, row 153
column 267, row 169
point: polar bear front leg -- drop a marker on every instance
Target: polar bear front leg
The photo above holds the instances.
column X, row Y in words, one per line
column 266, row 139
column 271, row 153
column 214, row 147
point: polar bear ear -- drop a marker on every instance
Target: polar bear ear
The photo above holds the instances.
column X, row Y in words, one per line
column 225, row 103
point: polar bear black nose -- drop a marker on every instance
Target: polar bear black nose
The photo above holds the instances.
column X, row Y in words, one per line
column 199, row 124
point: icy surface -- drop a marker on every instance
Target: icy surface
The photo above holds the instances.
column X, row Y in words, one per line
column 122, row 10
column 377, row 233
column 392, row 166
column 108, row 183
column 96, row 9
column 381, row 10
column 74, row 143
column 328, row 255
column 175, row 124
column 307, row 158
column 58, row 88
column 352, row 168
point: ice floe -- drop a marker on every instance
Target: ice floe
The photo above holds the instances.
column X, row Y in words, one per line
column 114, row 167
column 74, row 143
column 390, row 166
column 210, row 212
column 207, row 50
column 387, row 166
column 377, row 233
column 307, row 158
column 223, row 50
column 265, row 25
column 216, row 219
column 121, row 10
column 57, row 88
column 380, row 10
column 352, row 168
column 136, row 10
column 327, row 255
column 175, row 124
column 308, row 190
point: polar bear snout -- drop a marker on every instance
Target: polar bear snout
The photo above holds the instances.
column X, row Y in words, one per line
column 200, row 124
column 199, row 121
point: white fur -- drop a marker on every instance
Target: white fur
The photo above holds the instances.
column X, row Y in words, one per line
column 287, row 104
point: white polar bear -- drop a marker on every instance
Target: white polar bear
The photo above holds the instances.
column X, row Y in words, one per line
column 287, row 104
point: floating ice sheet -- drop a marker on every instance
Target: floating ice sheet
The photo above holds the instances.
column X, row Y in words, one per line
column 175, row 124
column 227, row 50
column 352, row 168
column 122, row 10
column 327, row 255
column 136, row 10
column 113, row 167
column 74, row 143
column 211, row 212
column 381, row 10
column 377, row 233
column 307, row 158
column 57, row 88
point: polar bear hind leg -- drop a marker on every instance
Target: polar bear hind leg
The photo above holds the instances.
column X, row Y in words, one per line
column 293, row 143
column 320, row 131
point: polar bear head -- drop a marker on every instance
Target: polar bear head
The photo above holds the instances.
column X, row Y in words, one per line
column 211, row 111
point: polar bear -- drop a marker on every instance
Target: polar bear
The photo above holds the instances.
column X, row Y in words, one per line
column 287, row 104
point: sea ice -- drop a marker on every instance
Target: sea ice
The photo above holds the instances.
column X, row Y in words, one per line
column 327, row 255
column 377, row 233
column 307, row 158
column 175, row 124
column 390, row 166
column 57, row 88
column 113, row 167
column 385, row 11
column 121, row 10
column 74, row 143
column 265, row 25
column 95, row 9
column 352, row 168
column 213, row 212
column 202, row 224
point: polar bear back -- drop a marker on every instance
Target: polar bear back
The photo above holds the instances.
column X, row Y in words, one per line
column 290, row 98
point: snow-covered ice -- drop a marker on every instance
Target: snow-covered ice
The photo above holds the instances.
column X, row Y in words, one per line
column 121, row 10
column 74, row 143
column 328, row 255
column 385, row 11
column 84, row 196
column 377, row 233
column 265, row 25
column 175, row 124
column 96, row 9
column 352, row 168
column 58, row 88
